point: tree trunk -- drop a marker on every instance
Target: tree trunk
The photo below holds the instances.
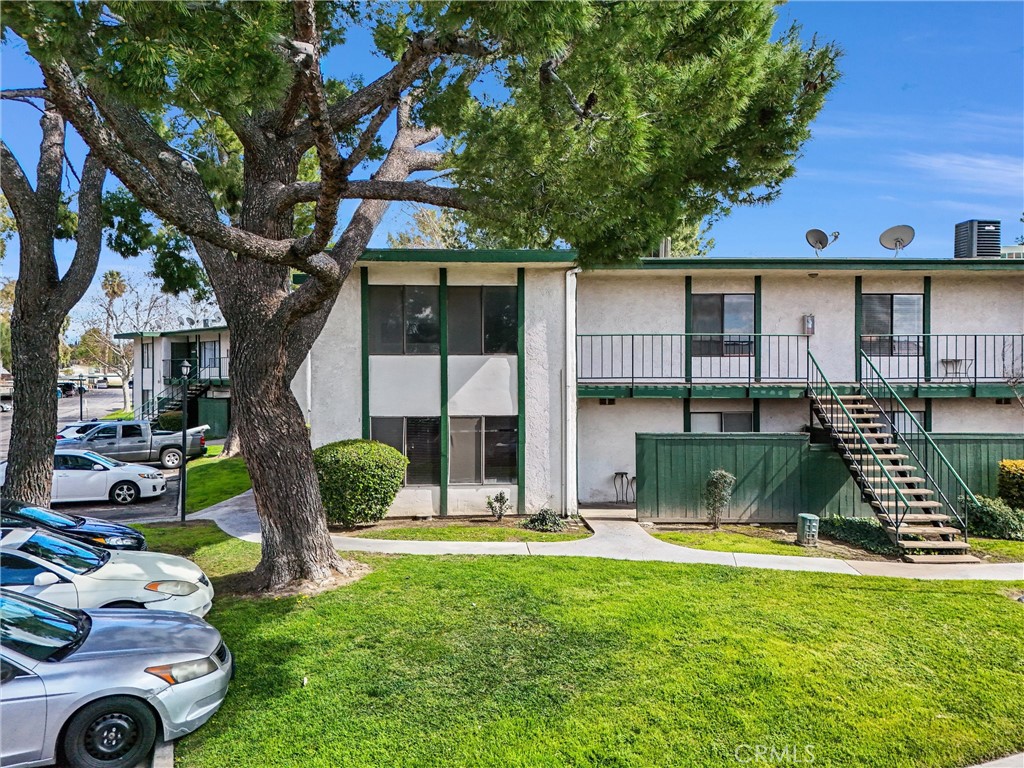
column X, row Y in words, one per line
column 232, row 444
column 124, row 394
column 34, row 348
column 296, row 542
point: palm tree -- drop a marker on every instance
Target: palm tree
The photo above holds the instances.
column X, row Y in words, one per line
column 114, row 287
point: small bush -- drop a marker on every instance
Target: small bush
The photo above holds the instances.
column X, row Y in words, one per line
column 358, row 479
column 499, row 505
column 546, row 520
column 717, row 494
column 864, row 532
column 170, row 420
column 1011, row 482
column 995, row 519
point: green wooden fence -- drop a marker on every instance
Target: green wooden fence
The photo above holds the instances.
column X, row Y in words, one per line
column 779, row 475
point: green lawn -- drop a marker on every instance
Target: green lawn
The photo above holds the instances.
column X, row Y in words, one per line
column 1001, row 548
column 469, row 533
column 212, row 479
column 504, row 661
column 119, row 415
column 731, row 541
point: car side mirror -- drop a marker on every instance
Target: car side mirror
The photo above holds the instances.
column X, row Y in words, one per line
column 98, row 468
column 45, row 579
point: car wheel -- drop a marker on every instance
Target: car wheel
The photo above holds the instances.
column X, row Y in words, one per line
column 124, row 492
column 116, row 732
column 171, row 458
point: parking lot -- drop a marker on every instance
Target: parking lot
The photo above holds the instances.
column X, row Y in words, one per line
column 97, row 403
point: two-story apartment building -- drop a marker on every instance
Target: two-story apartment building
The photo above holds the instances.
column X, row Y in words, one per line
column 516, row 371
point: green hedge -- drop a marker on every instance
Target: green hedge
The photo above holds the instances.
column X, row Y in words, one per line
column 864, row 532
column 358, row 479
column 995, row 519
column 1011, row 482
column 170, row 420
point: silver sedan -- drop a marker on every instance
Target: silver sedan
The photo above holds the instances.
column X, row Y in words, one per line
column 98, row 686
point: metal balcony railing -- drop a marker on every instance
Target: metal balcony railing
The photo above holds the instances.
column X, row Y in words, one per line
column 203, row 369
column 683, row 358
column 944, row 358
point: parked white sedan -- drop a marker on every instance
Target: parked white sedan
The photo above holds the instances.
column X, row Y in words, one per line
column 72, row 574
column 87, row 476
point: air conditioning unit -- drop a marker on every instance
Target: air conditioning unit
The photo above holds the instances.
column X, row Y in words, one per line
column 976, row 239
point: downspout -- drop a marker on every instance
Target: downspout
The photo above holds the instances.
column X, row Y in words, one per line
column 570, row 491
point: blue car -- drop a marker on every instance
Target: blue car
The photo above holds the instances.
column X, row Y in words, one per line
column 99, row 533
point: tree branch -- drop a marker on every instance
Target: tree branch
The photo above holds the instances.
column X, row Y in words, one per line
column 15, row 184
column 375, row 189
column 89, row 236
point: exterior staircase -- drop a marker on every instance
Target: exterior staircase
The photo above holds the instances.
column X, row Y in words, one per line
column 917, row 496
column 169, row 399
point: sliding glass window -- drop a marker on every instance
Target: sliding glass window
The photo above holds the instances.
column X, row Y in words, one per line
column 419, row 438
column 482, row 320
column 484, row 449
column 404, row 320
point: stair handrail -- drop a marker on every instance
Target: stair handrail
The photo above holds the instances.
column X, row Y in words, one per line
column 813, row 365
column 968, row 494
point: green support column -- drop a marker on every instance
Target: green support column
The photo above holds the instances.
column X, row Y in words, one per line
column 445, row 439
column 756, row 416
column 927, row 415
column 686, row 415
column 757, row 329
column 364, row 299
column 858, row 312
column 926, row 329
column 688, row 326
column 521, row 390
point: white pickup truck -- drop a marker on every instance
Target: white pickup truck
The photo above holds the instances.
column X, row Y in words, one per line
column 137, row 441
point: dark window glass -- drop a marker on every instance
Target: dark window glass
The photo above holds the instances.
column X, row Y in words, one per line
column 387, row 330
column 728, row 319
column 737, row 422
column 891, row 324
column 45, row 516
column 17, row 571
column 105, row 433
column 74, row 556
column 423, row 449
column 389, row 430
column 147, row 355
column 209, row 354
column 77, row 463
column 501, row 449
column 131, row 431
column 464, row 321
column 501, row 315
column 36, row 629
column 466, row 456
column 422, row 324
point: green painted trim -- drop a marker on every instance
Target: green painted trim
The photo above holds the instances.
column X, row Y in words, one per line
column 727, row 436
column 364, row 309
column 756, row 415
column 858, row 319
column 938, row 390
column 926, row 327
column 928, row 414
column 688, row 327
column 138, row 335
column 880, row 264
column 665, row 391
column 472, row 256
column 442, row 304
column 757, row 327
column 591, row 391
column 718, row 391
column 521, row 390
column 686, row 416
column 993, row 390
column 778, row 391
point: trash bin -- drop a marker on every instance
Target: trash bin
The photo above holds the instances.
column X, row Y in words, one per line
column 807, row 530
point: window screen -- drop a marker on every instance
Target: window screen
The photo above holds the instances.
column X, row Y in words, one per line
column 705, row 422
column 422, row 320
column 891, row 324
column 423, row 448
column 737, row 422
column 484, row 449
column 389, row 430
column 466, row 463
column 387, row 330
column 501, row 315
column 728, row 319
column 722, row 422
column 501, row 449
column 465, row 321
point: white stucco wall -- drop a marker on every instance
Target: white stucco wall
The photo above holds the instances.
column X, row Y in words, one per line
column 976, row 415
column 545, row 359
column 336, row 371
column 784, row 415
column 978, row 303
column 607, row 439
column 482, row 385
column 615, row 301
column 405, row 385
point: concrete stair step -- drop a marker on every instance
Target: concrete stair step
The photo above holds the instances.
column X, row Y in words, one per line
column 924, row 518
column 897, row 504
column 924, row 530
column 941, row 559
column 880, row 435
column 872, row 472
column 953, row 546
column 906, row 492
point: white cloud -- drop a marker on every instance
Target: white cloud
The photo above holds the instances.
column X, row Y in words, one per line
column 979, row 172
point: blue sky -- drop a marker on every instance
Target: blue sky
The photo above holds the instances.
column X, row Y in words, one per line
column 926, row 128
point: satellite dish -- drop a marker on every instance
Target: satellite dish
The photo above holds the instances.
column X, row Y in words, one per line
column 897, row 238
column 818, row 240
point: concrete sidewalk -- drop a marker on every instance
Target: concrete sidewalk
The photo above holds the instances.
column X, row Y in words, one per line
column 618, row 540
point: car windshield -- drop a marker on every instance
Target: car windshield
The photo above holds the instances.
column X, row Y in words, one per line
column 104, row 460
column 70, row 555
column 46, row 517
column 39, row 630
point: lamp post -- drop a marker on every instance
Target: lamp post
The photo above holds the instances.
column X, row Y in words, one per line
column 186, row 369
column 81, row 395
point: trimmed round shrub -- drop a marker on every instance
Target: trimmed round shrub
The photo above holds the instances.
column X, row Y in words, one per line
column 358, row 479
column 170, row 420
column 1011, row 482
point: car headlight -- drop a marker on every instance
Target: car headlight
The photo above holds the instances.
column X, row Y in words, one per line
column 114, row 541
column 151, row 476
column 183, row 671
column 179, row 588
